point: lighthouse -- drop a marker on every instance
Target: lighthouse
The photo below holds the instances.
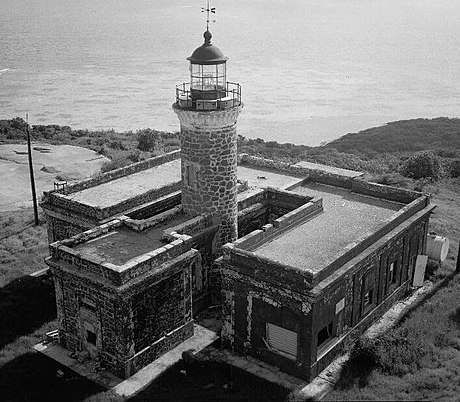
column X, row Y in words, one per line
column 208, row 107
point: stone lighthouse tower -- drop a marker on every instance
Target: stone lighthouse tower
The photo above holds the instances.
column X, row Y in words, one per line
column 208, row 108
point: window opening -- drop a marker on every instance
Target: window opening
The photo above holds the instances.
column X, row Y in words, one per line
column 282, row 340
column 392, row 273
column 368, row 298
column 325, row 334
column 91, row 337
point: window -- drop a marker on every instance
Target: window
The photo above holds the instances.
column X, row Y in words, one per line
column 368, row 292
column 85, row 303
column 369, row 298
column 325, row 334
column 391, row 273
column 282, row 340
column 90, row 337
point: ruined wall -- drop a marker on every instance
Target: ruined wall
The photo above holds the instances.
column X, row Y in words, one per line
column 132, row 324
column 249, row 303
column 341, row 299
column 157, row 310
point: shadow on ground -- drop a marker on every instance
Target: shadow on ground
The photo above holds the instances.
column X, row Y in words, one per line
column 25, row 304
column 33, row 377
column 210, row 381
column 357, row 370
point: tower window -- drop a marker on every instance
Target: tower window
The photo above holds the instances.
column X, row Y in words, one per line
column 91, row 337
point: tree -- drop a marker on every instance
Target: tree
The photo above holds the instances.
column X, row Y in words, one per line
column 421, row 165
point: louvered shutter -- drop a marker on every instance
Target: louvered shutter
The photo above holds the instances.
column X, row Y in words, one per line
column 282, row 340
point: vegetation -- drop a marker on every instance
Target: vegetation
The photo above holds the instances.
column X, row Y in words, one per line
column 122, row 148
column 419, row 359
column 403, row 136
column 422, row 165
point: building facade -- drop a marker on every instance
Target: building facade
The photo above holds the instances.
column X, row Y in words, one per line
column 295, row 294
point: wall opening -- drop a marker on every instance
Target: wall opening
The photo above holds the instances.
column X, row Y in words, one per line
column 391, row 273
column 91, row 337
column 369, row 298
column 325, row 334
column 282, row 340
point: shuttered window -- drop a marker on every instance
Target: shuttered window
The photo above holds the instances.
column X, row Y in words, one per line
column 282, row 340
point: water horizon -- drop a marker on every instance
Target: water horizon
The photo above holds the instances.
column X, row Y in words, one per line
column 310, row 71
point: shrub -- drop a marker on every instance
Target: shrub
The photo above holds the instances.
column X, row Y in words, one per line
column 454, row 168
column 117, row 145
column 393, row 179
column 396, row 352
column 135, row 156
column 148, row 139
column 422, row 165
column 400, row 352
column 115, row 163
column 18, row 123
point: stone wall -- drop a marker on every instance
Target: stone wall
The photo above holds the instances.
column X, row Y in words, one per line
column 152, row 208
column 209, row 163
column 135, row 322
column 159, row 309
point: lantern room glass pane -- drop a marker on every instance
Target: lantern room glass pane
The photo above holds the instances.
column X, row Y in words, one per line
column 208, row 77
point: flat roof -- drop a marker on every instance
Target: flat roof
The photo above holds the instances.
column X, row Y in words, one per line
column 259, row 178
column 126, row 187
column 314, row 244
column 119, row 246
column 116, row 191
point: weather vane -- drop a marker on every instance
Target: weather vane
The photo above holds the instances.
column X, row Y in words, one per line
column 208, row 10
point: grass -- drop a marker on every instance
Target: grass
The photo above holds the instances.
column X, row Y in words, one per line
column 23, row 246
column 418, row 360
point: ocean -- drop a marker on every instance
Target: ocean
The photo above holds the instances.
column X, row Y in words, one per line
column 310, row 70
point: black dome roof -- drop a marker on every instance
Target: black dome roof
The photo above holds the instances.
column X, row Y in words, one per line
column 207, row 53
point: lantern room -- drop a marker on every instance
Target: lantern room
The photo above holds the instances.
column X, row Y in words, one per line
column 208, row 88
column 207, row 71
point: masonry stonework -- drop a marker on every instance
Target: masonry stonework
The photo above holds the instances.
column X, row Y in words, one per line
column 209, row 166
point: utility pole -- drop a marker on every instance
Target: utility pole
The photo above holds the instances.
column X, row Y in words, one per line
column 458, row 260
column 31, row 170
